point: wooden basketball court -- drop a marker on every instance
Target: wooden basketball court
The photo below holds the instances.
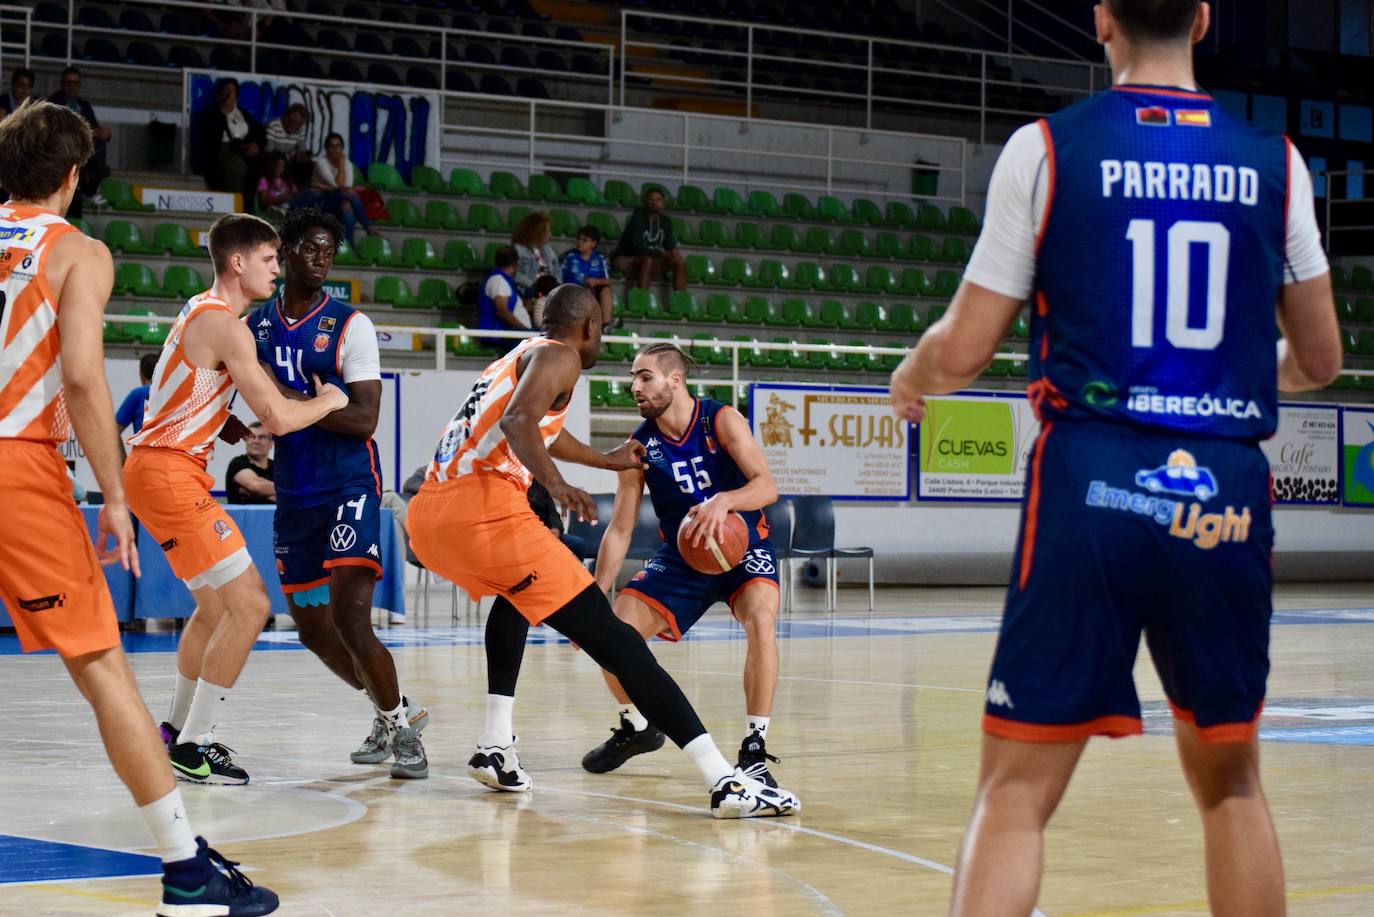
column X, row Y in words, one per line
column 876, row 722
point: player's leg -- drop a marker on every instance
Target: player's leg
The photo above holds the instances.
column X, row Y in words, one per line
column 1002, row 856
column 674, row 262
column 195, row 636
column 606, row 299
column 755, row 606
column 635, row 735
column 317, row 633
column 494, row 762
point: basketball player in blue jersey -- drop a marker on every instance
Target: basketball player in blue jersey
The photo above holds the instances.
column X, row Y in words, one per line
column 1158, row 239
column 701, row 462
column 327, row 526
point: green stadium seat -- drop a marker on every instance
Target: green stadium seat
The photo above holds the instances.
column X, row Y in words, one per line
column 707, row 353
column 620, row 350
column 946, row 284
column 517, row 213
column 346, row 256
column 1364, row 344
column 682, row 306
column 700, row 269
column 901, row 214
column 900, row 319
column 1347, row 341
column 484, row 217
column 620, row 193
column 443, row 215
column 734, row 271
column 506, row 185
column 640, row 303
column 954, row 251
column 607, row 224
column 784, row 237
column 891, row 361
column 377, row 250
column 151, row 333
column 434, row 293
column 842, row 278
column 1339, row 279
column 126, row 238
column 866, row 211
column 82, row 225
column 599, row 391
column 119, row 195
column 879, row 279
column 821, row 359
column 771, row 274
column 384, row 177
column 779, row 358
column 865, row 318
column 1361, row 279
column 583, row 191
column 469, row 183
column 921, row 248
column 114, row 333
column 831, row 314
column 728, row 200
column 719, row 309
column 807, row 275
column 928, row 216
column 748, row 235
column 889, row 245
column 1364, row 310
column 914, row 282
column 394, row 292
column 754, row 311
column 417, row 252
column 683, row 233
column 459, row 255
column 798, row 206
column 858, row 362
column 764, row 204
column 175, row 240
column 1345, row 310
column 749, row 353
column 183, row 281
column 690, row 197
column 710, row 232
column 545, row 188
column 793, row 313
column 853, row 243
column 489, row 253
column 1020, row 328
column 403, row 212
column 934, row 315
column 428, row 180
column 829, row 207
column 564, row 223
column 996, row 369
column 817, row 241
column 962, row 220
column 619, row 396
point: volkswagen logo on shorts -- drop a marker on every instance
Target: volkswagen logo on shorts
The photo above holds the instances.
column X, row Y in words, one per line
column 758, row 562
column 342, row 538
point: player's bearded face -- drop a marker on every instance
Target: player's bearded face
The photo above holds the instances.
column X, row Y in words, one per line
column 653, row 393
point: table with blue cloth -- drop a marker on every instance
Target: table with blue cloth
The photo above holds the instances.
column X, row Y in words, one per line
column 159, row 594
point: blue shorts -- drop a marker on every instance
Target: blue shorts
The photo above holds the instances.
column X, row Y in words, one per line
column 1127, row 531
column 682, row 595
column 310, row 541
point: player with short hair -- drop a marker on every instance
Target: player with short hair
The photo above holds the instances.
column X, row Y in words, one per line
column 208, row 355
column 701, row 463
column 1154, row 374
column 54, row 284
column 471, row 523
column 328, row 522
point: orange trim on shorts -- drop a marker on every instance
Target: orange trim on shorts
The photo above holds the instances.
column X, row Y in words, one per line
column 1221, row 732
column 672, row 635
column 304, row 587
column 745, row 585
column 1049, row 193
column 1114, row 726
column 354, row 562
column 372, row 464
column 1032, row 509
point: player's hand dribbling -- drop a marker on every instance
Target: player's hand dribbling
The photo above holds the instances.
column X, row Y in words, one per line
column 114, row 520
column 573, row 500
column 707, row 519
column 338, row 398
column 626, row 457
column 907, row 403
column 233, row 431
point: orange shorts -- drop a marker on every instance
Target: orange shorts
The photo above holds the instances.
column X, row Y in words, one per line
column 50, row 579
column 480, row 532
column 169, row 492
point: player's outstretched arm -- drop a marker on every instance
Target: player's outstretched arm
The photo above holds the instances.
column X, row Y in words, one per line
column 1309, row 353
column 615, row 541
column 568, row 448
column 759, row 491
column 232, row 342
column 81, row 269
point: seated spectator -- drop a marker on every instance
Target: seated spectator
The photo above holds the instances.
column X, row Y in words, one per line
column 226, row 142
column 586, row 267
column 275, row 188
column 498, row 302
column 290, row 135
column 21, row 87
column 647, row 248
column 249, row 476
column 531, row 240
column 334, row 189
column 95, row 170
column 130, row 413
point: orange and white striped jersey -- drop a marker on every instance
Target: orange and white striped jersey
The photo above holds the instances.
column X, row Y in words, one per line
column 31, row 403
column 473, row 443
column 187, row 404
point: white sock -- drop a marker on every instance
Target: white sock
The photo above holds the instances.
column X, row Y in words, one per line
column 637, row 720
column 171, row 830
column 708, row 759
column 182, row 692
column 498, row 730
column 207, row 706
column 757, row 724
column 395, row 719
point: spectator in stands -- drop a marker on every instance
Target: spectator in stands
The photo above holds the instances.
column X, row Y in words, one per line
column 226, row 143
column 290, row 135
column 647, row 248
column 249, row 476
column 545, row 285
column 333, row 189
column 531, row 240
column 498, row 302
column 95, row 170
column 21, row 87
column 275, row 188
column 130, row 413
column 586, row 266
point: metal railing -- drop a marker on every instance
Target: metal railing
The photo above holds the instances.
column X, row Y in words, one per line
column 13, row 18
column 642, row 56
column 1335, row 204
column 1010, row 15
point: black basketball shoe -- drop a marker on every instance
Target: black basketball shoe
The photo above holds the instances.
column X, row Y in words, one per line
column 754, row 758
column 206, row 764
column 624, row 743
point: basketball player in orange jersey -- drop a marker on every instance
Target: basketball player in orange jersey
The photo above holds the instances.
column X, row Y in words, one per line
column 54, row 283
column 208, row 354
column 471, row 522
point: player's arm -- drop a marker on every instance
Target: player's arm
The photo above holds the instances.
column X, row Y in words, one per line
column 760, row 490
column 232, row 343
column 285, row 390
column 255, row 484
column 501, row 305
column 550, row 373
column 1309, row 352
column 568, row 448
column 615, row 541
column 86, row 274
column 360, row 366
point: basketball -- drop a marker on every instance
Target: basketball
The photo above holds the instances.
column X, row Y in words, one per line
column 716, row 557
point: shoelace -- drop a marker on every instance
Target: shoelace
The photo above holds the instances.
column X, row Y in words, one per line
column 237, row 880
column 409, row 747
column 378, row 734
column 217, row 753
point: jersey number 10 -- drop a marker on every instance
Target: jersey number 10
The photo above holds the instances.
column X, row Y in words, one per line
column 1181, row 238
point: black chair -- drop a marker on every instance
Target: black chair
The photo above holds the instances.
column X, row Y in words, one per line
column 345, row 71
column 493, row 85
column 421, row 78
column 457, row 81
column 814, row 536
column 779, row 516
column 370, row 43
column 531, row 88
column 383, row 74
column 145, row 55
column 591, row 533
column 104, row 51
column 645, row 540
column 185, row 56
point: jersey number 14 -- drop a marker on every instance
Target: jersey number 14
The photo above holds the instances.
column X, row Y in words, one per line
column 1181, row 238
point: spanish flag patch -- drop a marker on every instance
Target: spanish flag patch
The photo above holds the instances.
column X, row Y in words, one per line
column 1200, row 117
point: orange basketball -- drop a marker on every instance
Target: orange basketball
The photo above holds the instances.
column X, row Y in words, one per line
column 717, row 557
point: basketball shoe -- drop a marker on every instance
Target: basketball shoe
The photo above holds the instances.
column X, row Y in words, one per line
column 738, row 796
column 376, row 748
column 211, row 763
column 410, row 763
column 754, row 758
column 210, row 884
column 625, row 742
column 169, row 735
column 498, row 766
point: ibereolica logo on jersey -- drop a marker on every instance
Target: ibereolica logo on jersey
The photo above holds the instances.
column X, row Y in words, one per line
column 1181, row 476
column 1204, row 405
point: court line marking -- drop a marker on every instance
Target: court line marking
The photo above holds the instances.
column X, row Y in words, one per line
column 828, row 681
column 1333, row 892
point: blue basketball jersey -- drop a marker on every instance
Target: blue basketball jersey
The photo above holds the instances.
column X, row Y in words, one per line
column 1159, row 264
column 313, row 464
column 682, row 473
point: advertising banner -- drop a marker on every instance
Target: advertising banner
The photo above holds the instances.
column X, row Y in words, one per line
column 1357, row 445
column 975, row 447
column 839, row 441
column 1304, row 458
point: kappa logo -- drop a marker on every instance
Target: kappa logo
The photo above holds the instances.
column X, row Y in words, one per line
column 168, row 544
column 998, row 696
column 373, row 551
column 343, row 537
column 760, row 562
column 222, row 529
column 203, row 506
column 44, row 602
column 265, row 323
column 524, row 584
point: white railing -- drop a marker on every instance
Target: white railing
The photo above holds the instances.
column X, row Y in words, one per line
column 639, row 50
column 14, row 17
